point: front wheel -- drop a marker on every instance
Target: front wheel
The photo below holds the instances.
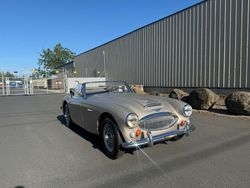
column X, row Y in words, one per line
column 109, row 136
column 68, row 121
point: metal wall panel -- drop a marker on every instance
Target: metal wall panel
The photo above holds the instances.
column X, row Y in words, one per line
column 206, row 45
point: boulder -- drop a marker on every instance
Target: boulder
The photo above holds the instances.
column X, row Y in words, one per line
column 238, row 103
column 203, row 99
column 155, row 93
column 138, row 89
column 178, row 94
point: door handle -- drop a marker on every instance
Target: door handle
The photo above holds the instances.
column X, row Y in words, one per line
column 89, row 110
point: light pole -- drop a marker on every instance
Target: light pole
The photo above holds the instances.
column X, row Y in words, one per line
column 47, row 89
column 3, row 86
column 15, row 73
column 104, row 63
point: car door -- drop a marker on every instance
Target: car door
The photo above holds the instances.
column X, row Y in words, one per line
column 75, row 106
column 90, row 112
column 90, row 115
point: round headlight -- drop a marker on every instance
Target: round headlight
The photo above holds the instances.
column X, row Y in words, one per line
column 132, row 120
column 187, row 110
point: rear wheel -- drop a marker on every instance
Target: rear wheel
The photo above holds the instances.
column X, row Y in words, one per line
column 110, row 138
column 68, row 121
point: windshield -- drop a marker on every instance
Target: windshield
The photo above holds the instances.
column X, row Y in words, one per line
column 106, row 86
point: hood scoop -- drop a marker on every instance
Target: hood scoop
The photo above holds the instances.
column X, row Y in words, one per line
column 149, row 105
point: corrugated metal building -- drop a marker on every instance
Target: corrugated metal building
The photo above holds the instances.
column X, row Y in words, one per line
column 206, row 45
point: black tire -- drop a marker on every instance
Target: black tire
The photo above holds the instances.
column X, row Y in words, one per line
column 66, row 113
column 177, row 137
column 110, row 139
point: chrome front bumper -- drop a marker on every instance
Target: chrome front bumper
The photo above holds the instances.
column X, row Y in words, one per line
column 151, row 140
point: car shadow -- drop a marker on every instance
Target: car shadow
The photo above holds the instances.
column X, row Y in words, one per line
column 90, row 137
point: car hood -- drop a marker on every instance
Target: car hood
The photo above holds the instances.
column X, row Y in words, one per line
column 130, row 102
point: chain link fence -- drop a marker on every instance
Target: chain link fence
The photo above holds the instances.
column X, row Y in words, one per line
column 31, row 86
column 27, row 83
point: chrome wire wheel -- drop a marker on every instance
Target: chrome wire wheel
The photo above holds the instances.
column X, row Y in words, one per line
column 109, row 137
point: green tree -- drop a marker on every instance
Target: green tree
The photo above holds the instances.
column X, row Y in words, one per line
column 51, row 58
column 38, row 73
column 8, row 74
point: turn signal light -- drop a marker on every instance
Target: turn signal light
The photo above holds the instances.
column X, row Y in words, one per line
column 183, row 123
column 138, row 132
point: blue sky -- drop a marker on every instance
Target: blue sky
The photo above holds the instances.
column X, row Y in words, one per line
column 28, row 26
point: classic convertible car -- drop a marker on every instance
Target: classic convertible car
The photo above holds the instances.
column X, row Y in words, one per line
column 123, row 119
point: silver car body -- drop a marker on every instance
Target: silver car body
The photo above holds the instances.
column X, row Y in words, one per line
column 154, row 113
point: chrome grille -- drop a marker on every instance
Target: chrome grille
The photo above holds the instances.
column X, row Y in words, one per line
column 158, row 121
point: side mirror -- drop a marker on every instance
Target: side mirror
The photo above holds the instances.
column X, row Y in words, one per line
column 72, row 92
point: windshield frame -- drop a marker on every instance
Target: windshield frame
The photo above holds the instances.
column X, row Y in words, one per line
column 129, row 90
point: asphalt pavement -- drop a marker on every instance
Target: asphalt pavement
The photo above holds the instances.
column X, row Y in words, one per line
column 37, row 150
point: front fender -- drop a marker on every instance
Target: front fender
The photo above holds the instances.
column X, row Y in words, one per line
column 119, row 114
